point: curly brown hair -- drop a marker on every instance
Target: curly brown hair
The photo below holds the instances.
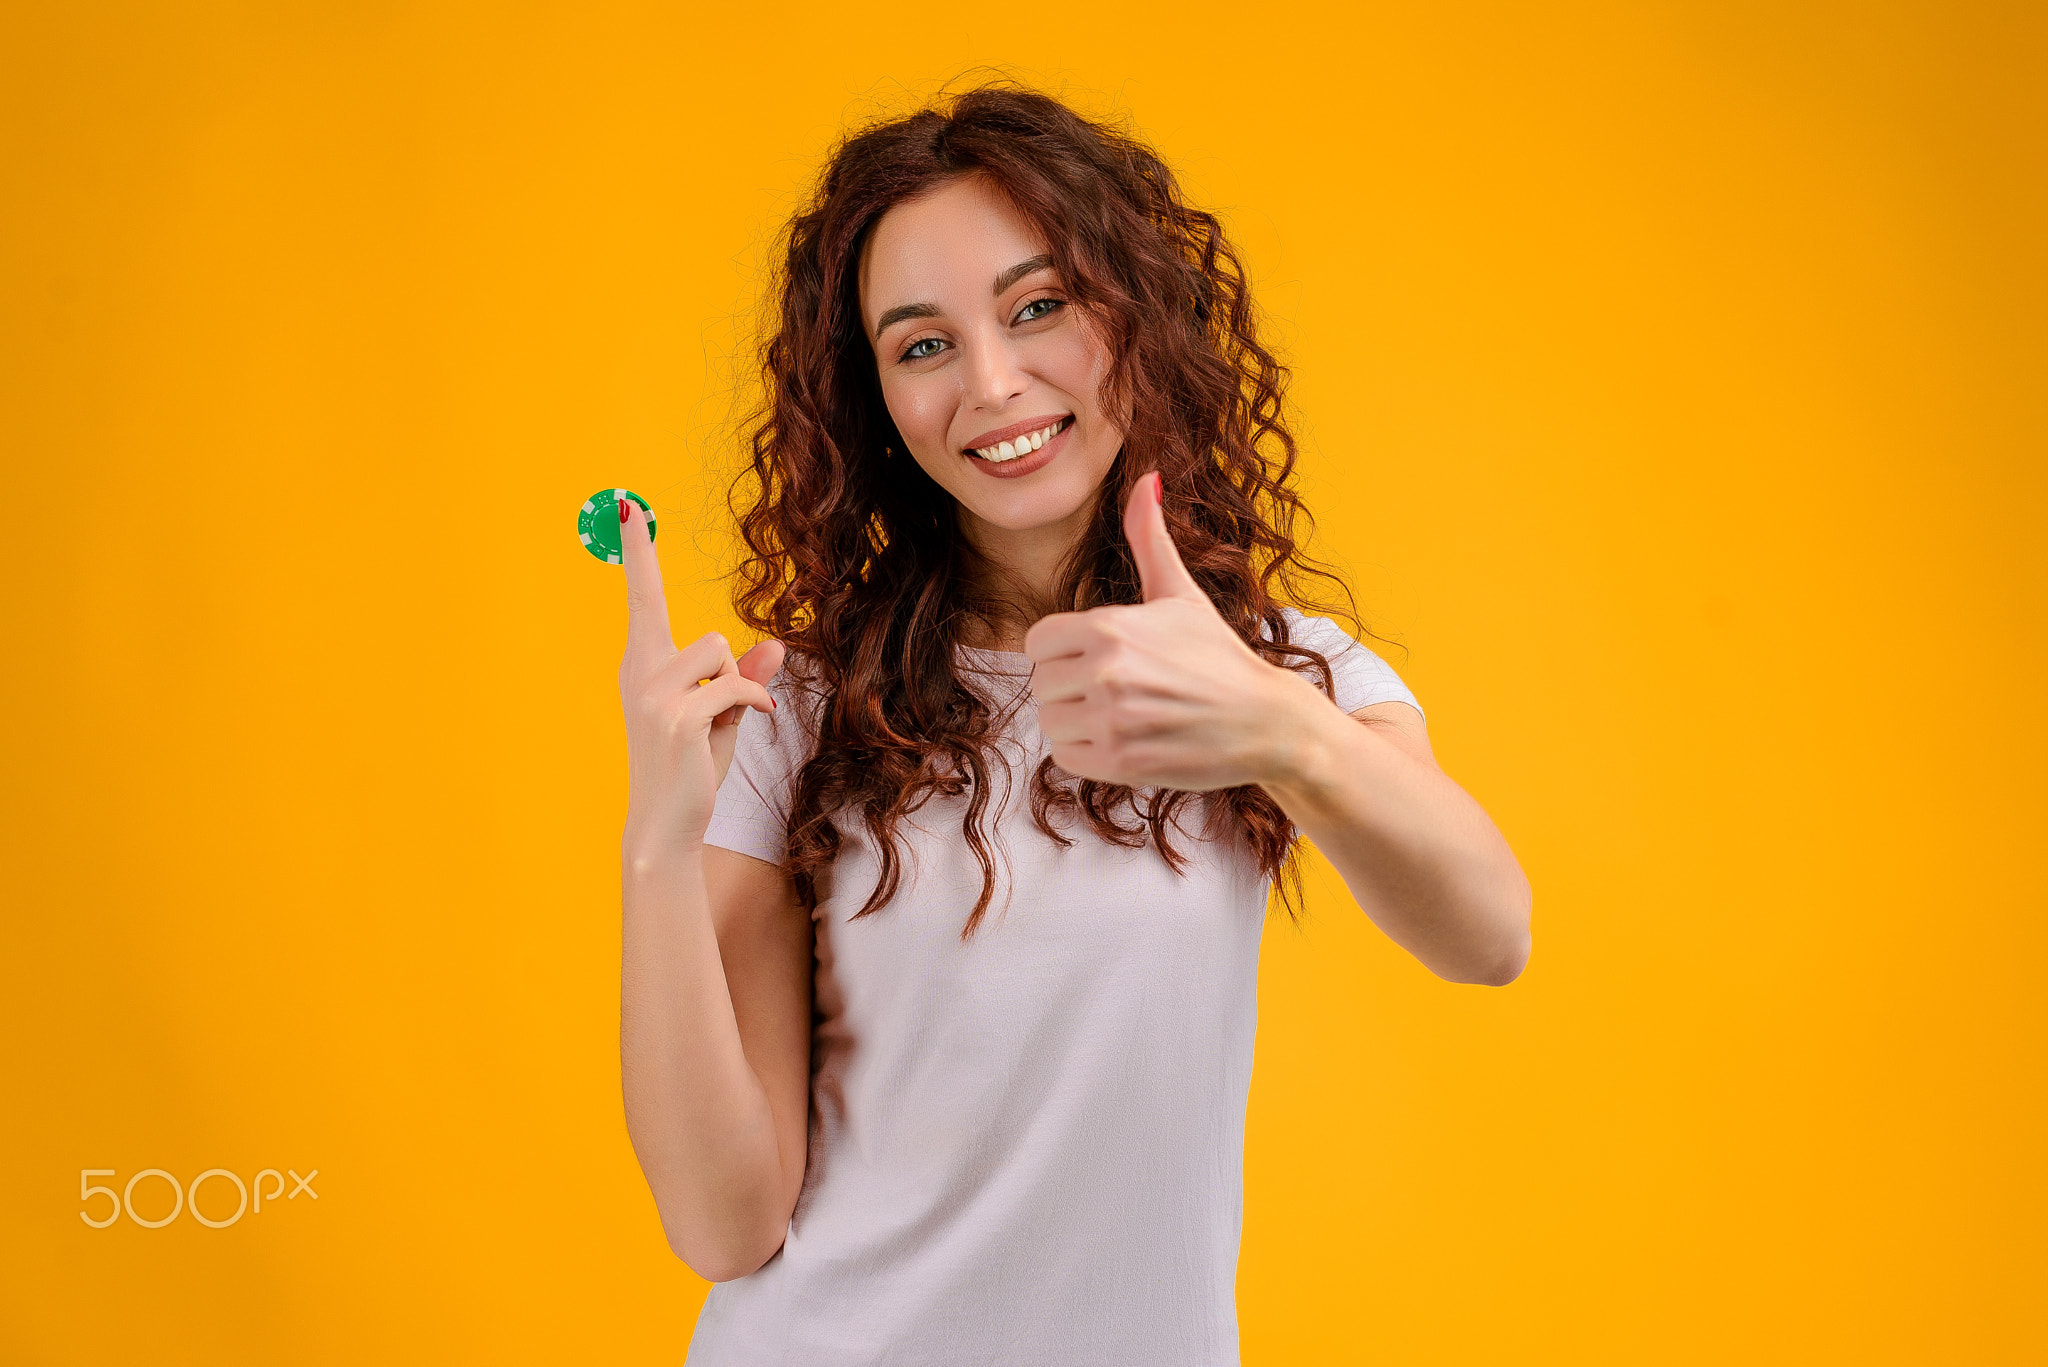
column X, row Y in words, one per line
column 855, row 559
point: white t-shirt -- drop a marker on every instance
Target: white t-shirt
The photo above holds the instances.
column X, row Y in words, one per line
column 1028, row 1147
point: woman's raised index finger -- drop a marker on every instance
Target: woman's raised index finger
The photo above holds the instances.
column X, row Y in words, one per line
column 647, row 630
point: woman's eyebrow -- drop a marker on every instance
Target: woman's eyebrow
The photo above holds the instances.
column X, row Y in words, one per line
column 1019, row 271
column 1003, row 282
column 902, row 311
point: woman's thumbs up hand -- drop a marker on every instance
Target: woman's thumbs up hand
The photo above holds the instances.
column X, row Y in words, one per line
column 1162, row 693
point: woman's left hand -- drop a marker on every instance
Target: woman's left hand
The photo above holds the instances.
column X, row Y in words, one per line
column 1163, row 693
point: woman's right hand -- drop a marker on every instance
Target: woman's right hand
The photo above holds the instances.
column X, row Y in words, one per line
column 683, row 708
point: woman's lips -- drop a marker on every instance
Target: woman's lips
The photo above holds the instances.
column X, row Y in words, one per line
column 1024, row 465
column 1018, row 439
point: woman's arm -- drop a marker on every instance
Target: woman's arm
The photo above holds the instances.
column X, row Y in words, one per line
column 1164, row 693
column 715, row 1049
column 1420, row 856
column 714, row 996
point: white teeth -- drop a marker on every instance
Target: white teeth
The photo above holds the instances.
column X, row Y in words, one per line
column 1010, row 450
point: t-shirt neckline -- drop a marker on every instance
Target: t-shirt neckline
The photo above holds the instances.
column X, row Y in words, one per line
column 985, row 661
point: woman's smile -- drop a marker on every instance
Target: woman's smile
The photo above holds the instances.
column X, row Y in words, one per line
column 1023, row 453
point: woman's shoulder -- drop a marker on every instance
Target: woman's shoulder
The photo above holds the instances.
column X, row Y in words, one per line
column 800, row 695
column 1360, row 675
column 1309, row 629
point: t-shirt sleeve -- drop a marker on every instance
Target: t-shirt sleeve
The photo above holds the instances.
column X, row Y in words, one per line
column 1361, row 677
column 751, row 813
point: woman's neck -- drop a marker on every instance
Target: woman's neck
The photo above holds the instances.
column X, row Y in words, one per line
column 1021, row 570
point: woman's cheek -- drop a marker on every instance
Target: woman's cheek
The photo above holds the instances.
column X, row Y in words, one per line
column 921, row 417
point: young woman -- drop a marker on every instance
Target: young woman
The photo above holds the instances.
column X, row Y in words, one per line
column 942, row 928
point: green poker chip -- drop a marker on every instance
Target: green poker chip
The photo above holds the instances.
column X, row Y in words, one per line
column 597, row 524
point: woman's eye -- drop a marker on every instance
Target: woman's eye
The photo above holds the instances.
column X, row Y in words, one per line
column 916, row 350
column 1043, row 307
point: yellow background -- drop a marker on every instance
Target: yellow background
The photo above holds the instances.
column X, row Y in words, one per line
column 1672, row 383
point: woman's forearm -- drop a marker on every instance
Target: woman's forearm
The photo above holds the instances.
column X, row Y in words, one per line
column 1421, row 857
column 696, row 1111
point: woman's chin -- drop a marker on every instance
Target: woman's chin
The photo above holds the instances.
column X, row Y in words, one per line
column 1029, row 505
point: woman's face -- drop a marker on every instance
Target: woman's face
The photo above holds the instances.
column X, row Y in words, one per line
column 979, row 350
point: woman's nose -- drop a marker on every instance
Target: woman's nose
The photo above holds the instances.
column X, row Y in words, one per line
column 994, row 373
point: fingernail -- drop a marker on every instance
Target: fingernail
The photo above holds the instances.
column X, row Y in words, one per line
column 773, row 705
column 1158, row 489
column 625, row 506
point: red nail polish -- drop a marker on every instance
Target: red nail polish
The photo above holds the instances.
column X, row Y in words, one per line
column 1158, row 488
column 624, row 506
